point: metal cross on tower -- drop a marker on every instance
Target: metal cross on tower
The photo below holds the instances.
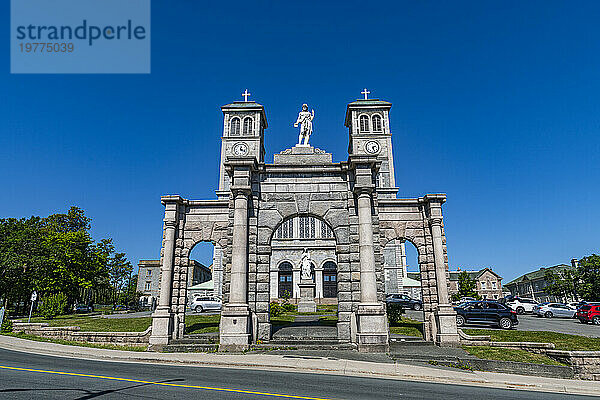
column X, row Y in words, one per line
column 366, row 93
column 245, row 95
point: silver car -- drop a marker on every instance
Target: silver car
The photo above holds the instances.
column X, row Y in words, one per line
column 206, row 304
column 550, row 310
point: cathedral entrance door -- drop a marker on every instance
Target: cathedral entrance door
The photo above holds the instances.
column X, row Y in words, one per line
column 329, row 280
column 286, row 286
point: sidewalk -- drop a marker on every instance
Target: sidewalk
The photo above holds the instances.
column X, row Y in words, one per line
column 297, row 363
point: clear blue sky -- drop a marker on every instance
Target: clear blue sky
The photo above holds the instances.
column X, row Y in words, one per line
column 494, row 103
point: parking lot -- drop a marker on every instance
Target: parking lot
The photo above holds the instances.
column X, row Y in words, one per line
column 528, row 322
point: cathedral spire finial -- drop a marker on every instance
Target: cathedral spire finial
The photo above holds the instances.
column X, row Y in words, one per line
column 245, row 95
column 366, row 93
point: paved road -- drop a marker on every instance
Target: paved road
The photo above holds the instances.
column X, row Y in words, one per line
column 113, row 380
column 528, row 322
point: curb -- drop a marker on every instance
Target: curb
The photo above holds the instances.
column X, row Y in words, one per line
column 312, row 365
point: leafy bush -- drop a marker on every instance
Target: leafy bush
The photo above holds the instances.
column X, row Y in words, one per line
column 53, row 305
column 289, row 307
column 7, row 326
column 394, row 313
column 286, row 305
column 275, row 309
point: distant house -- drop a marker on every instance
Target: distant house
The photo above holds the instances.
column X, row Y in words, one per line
column 532, row 284
column 149, row 279
column 412, row 287
column 488, row 283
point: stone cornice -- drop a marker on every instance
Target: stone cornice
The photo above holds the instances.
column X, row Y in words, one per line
column 434, row 198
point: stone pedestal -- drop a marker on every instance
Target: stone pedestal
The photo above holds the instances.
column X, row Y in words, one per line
column 307, row 296
column 234, row 328
column 447, row 332
column 302, row 155
column 372, row 329
column 161, row 327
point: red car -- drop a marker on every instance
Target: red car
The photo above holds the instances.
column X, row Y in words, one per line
column 589, row 313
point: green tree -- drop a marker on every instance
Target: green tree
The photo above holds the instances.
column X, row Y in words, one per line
column 22, row 254
column 588, row 274
column 562, row 284
column 119, row 270
column 467, row 287
column 57, row 254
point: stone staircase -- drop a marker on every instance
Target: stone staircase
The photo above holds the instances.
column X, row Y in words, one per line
column 200, row 343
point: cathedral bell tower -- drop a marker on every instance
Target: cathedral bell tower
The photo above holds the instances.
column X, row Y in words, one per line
column 244, row 124
column 368, row 124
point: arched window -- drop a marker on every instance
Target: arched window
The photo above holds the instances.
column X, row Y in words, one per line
column 329, row 280
column 377, row 123
column 286, row 283
column 364, row 123
column 234, row 127
column 305, row 227
column 248, row 126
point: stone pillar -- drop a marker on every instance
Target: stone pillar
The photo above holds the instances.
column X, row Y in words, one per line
column 235, row 316
column 162, row 318
column 319, row 282
column 372, row 327
column 446, row 332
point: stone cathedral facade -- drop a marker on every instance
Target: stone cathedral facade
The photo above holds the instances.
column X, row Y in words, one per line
column 345, row 213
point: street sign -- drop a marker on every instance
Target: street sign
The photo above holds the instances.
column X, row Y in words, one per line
column 1, row 315
column 33, row 298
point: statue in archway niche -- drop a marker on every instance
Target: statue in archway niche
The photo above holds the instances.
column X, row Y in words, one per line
column 306, row 273
column 305, row 120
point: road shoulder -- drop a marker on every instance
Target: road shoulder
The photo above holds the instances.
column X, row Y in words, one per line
column 310, row 365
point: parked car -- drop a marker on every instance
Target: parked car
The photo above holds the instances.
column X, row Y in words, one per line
column 83, row 308
column 486, row 312
column 589, row 313
column 550, row 310
column 522, row 306
column 404, row 301
column 200, row 304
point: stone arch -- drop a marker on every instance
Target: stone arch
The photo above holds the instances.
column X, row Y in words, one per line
column 413, row 228
column 192, row 231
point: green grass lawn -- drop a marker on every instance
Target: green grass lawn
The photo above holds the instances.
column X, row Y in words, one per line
column 497, row 353
column 202, row 323
column 99, row 324
column 561, row 341
column 22, row 335
column 407, row 327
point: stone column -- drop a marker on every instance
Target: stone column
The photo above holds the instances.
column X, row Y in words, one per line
column 368, row 282
column 319, row 283
column 239, row 249
column 372, row 328
column 446, row 332
column 162, row 318
column 235, row 316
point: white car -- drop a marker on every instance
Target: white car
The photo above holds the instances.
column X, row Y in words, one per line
column 522, row 306
column 200, row 304
column 559, row 310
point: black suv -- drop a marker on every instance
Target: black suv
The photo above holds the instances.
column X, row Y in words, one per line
column 404, row 301
column 486, row 312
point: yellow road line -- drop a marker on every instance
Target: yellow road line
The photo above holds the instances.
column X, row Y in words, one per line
column 285, row 396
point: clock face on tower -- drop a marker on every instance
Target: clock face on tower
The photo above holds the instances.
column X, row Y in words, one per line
column 240, row 149
column 372, row 147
